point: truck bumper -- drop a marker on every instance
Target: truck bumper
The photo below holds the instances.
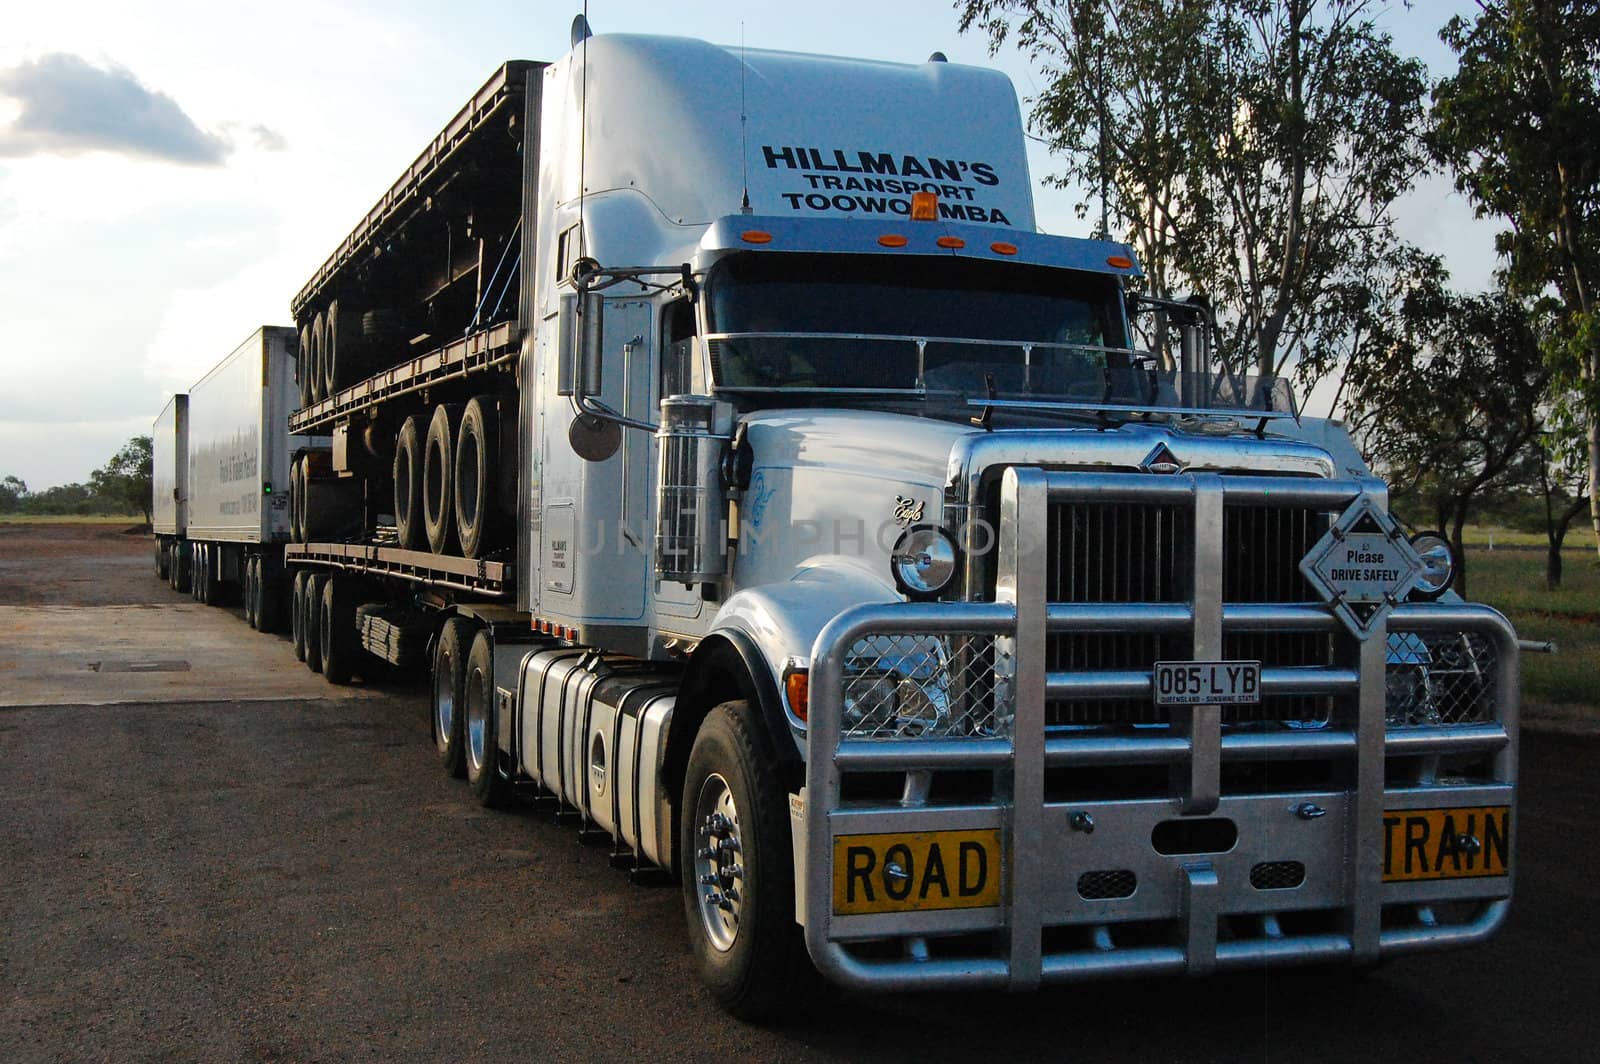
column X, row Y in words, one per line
column 1342, row 842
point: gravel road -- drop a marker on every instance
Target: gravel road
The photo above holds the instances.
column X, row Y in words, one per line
column 293, row 879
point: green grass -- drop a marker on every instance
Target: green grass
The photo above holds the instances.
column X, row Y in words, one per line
column 71, row 519
column 1513, row 583
column 1580, row 538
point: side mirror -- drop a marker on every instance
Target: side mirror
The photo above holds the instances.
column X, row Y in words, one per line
column 582, row 318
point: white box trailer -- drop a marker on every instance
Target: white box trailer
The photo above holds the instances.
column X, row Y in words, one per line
column 238, row 457
column 169, row 487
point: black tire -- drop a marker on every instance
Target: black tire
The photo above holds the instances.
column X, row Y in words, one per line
column 302, row 365
column 311, row 612
column 476, row 490
column 161, row 560
column 751, row 955
column 197, row 575
column 337, row 622
column 269, row 597
column 438, row 473
column 448, row 704
column 319, row 356
column 297, row 612
column 408, row 485
column 181, row 568
column 297, row 491
column 481, row 728
column 346, row 351
column 251, row 575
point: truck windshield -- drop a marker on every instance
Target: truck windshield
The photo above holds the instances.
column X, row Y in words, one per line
column 917, row 325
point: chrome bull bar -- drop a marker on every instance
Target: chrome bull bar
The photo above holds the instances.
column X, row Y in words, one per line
column 1033, row 832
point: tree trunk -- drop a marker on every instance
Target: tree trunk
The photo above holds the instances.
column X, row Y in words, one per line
column 1457, row 520
column 1594, row 471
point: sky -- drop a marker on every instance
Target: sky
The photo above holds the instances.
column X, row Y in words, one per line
column 171, row 172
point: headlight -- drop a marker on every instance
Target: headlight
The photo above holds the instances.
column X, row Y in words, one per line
column 900, row 691
column 1438, row 564
column 924, row 561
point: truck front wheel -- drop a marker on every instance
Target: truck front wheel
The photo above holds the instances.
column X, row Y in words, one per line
column 481, row 727
column 738, row 871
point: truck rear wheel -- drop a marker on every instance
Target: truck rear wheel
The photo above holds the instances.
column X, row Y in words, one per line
column 197, row 578
column 738, row 871
column 311, row 609
column 481, row 728
column 179, row 567
column 267, row 597
column 297, row 613
column 476, row 495
column 161, row 560
column 450, row 694
column 408, row 485
column 337, row 621
column 438, row 475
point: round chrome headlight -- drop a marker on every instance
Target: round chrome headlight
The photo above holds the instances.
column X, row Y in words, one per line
column 924, row 560
column 1438, row 564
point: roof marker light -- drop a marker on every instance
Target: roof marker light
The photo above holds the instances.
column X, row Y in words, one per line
column 924, row 206
column 1121, row 262
column 892, row 240
column 951, row 242
column 756, row 236
column 1000, row 247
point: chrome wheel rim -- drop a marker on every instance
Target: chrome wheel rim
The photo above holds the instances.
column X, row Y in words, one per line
column 477, row 723
column 718, row 862
column 444, row 701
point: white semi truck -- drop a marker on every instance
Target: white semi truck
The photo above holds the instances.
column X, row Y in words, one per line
column 760, row 484
column 220, row 477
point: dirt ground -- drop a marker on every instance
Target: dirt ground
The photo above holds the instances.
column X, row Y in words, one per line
column 291, row 878
column 76, row 565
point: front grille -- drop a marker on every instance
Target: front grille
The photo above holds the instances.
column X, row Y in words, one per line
column 1139, row 552
column 1277, row 875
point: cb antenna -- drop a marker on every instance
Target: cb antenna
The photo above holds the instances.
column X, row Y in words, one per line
column 744, row 147
column 580, row 38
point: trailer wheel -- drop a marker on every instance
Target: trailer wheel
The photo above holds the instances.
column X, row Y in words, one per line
column 738, row 871
column 302, row 365
column 251, row 575
column 270, row 582
column 341, row 352
column 481, row 728
column 450, row 694
column 311, row 609
column 297, row 613
column 408, row 485
column 180, row 567
column 197, row 577
column 438, row 472
column 476, row 468
column 337, row 622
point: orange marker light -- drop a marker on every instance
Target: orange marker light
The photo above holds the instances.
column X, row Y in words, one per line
column 924, row 206
column 951, row 242
column 892, row 240
column 1121, row 262
column 756, row 236
column 797, row 686
column 1000, row 247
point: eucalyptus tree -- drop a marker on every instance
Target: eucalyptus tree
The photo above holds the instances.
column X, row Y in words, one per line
column 1251, row 150
column 1519, row 122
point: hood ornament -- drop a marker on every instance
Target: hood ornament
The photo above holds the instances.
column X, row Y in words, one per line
column 1161, row 460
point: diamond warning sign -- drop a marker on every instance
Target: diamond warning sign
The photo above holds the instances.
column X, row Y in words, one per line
column 1363, row 566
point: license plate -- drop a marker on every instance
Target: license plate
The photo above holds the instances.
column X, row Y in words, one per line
column 1460, row 843
column 911, row 871
column 1207, row 683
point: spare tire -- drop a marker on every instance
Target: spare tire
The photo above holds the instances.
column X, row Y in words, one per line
column 438, row 473
column 408, row 485
column 479, row 519
column 302, row 365
column 341, row 357
column 319, row 354
column 297, row 497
